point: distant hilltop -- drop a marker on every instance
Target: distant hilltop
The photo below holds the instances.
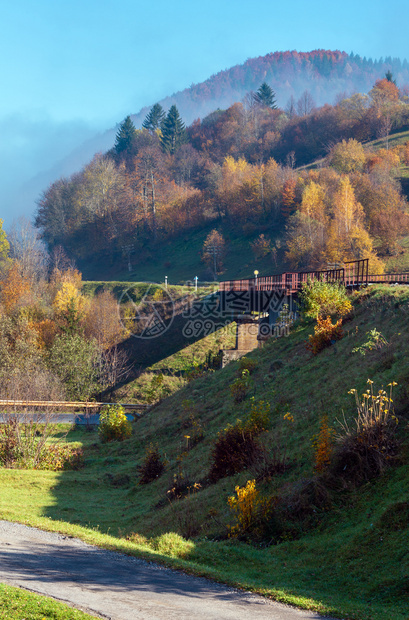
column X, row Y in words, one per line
column 324, row 73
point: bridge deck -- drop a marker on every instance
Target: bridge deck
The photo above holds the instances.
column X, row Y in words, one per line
column 353, row 274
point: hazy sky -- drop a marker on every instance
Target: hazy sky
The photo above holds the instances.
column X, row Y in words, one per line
column 71, row 69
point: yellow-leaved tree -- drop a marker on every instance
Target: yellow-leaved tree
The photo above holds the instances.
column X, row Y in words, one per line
column 306, row 230
column 348, row 238
column 347, row 156
column 70, row 307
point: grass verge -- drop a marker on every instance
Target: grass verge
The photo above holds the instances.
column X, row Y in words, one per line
column 18, row 604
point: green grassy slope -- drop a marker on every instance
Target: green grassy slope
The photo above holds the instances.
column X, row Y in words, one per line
column 180, row 260
column 347, row 556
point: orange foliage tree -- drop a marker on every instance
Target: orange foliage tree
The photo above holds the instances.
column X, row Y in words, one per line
column 14, row 287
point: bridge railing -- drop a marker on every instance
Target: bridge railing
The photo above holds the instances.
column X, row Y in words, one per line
column 290, row 281
column 389, row 278
column 354, row 273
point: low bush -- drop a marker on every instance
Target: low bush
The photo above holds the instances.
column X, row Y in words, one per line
column 235, row 449
column 25, row 448
column 28, row 446
column 240, row 387
column 246, row 364
column 113, row 424
column 375, row 341
column 272, row 462
column 152, row 466
column 368, row 446
column 61, row 456
column 319, row 298
column 10, row 448
column 179, row 486
column 325, row 334
column 303, row 502
column 254, row 513
column 323, row 446
column 259, row 417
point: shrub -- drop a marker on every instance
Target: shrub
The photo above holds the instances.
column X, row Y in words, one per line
column 270, row 463
column 113, row 424
column 152, row 466
column 24, row 446
column 235, row 450
column 10, row 448
column 259, row 417
column 325, row 334
column 375, row 341
column 157, row 389
column 186, row 513
column 253, row 513
column 179, row 487
column 173, row 545
column 366, row 449
column 319, row 298
column 191, row 423
column 236, row 447
column 248, row 365
column 61, row 457
column 323, row 446
column 245, row 505
column 240, row 387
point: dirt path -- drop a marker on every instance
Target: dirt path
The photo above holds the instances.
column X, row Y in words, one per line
column 120, row 587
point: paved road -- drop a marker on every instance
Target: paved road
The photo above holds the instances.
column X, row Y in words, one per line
column 119, row 587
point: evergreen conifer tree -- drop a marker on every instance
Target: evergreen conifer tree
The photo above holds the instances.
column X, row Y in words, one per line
column 173, row 131
column 154, row 118
column 389, row 77
column 265, row 97
column 125, row 136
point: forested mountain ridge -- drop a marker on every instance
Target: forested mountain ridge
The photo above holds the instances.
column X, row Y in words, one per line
column 324, row 73
column 237, row 169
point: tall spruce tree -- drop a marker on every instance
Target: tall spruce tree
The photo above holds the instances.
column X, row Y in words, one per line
column 389, row 77
column 173, row 131
column 125, row 137
column 265, row 97
column 154, row 118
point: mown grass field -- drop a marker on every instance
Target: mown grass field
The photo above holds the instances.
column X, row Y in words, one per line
column 348, row 556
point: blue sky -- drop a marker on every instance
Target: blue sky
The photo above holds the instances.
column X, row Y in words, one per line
column 70, row 69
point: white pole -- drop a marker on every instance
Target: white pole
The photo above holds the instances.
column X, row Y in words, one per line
column 166, row 282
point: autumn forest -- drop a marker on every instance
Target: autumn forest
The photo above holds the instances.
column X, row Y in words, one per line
column 303, row 172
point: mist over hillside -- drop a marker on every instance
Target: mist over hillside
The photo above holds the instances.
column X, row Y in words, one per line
column 325, row 74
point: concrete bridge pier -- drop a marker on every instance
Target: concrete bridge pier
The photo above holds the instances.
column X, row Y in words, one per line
column 247, row 332
column 269, row 319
